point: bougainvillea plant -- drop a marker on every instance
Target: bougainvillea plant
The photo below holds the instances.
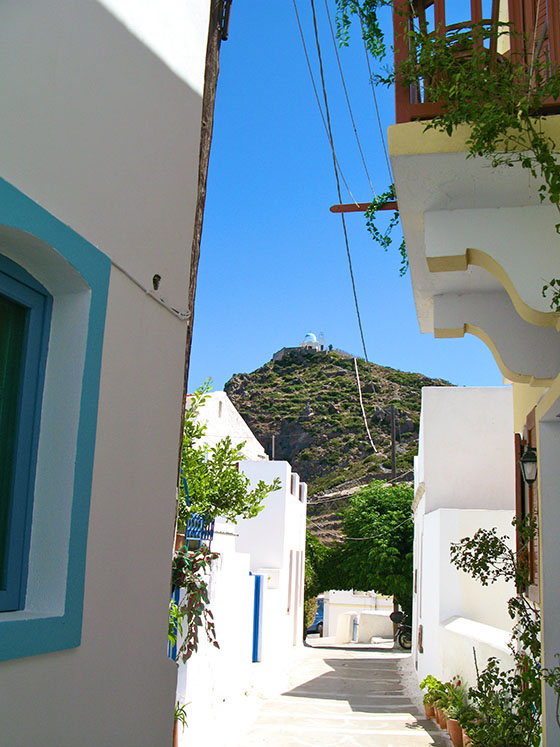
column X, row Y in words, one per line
column 189, row 571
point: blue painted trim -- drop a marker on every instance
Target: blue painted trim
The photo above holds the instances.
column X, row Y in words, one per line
column 257, row 617
column 172, row 650
column 41, row 635
column 22, row 288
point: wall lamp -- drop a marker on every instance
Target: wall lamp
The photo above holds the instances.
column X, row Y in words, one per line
column 528, row 464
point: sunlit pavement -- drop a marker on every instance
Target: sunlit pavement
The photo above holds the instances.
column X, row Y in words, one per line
column 346, row 695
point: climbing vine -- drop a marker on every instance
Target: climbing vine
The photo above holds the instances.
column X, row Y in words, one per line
column 499, row 99
column 505, row 706
column 384, row 238
column 186, row 618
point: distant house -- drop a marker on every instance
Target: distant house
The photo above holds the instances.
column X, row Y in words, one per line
column 312, row 342
column 100, row 140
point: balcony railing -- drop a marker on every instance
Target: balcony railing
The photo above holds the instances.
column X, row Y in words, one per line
column 535, row 35
column 198, row 527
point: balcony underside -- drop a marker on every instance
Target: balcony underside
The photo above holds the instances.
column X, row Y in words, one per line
column 523, row 352
column 475, row 233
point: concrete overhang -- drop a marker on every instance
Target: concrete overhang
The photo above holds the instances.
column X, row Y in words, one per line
column 524, row 353
column 470, row 227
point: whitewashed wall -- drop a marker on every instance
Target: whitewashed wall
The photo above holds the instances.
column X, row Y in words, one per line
column 275, row 539
column 222, row 419
column 98, row 130
column 339, row 602
column 464, row 480
column 217, row 683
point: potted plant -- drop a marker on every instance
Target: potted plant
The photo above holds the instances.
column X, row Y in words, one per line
column 180, row 718
column 457, row 702
column 434, row 697
column 429, row 705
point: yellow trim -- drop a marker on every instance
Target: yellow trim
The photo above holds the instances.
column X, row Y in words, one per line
column 449, row 333
column 525, row 397
column 472, row 329
column 412, row 138
column 460, row 262
column 548, row 400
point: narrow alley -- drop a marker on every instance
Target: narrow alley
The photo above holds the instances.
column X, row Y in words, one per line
column 345, row 695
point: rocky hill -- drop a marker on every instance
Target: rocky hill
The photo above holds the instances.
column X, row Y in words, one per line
column 309, row 401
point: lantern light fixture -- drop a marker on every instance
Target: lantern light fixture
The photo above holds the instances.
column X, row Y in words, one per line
column 528, row 464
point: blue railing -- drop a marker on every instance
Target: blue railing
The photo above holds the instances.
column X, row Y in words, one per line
column 198, row 526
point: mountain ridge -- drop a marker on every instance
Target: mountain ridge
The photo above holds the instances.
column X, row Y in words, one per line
column 309, row 402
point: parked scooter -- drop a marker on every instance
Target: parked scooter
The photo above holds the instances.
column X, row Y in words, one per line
column 403, row 634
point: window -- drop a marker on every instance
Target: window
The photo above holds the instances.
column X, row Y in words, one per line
column 53, row 300
column 25, row 310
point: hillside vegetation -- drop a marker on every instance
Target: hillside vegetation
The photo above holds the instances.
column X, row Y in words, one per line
column 309, row 402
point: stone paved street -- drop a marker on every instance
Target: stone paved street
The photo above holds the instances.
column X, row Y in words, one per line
column 353, row 696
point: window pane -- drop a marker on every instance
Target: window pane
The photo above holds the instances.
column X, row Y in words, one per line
column 12, row 332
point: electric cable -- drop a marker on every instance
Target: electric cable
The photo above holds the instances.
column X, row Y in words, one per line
column 372, row 85
column 318, row 45
column 183, row 315
column 318, row 100
column 360, row 539
column 335, row 45
column 362, row 404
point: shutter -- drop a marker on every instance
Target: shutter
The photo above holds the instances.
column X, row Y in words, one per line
column 12, row 333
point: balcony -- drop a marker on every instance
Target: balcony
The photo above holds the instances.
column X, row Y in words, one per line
column 532, row 37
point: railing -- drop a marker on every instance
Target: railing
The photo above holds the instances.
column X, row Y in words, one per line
column 536, row 34
column 199, row 528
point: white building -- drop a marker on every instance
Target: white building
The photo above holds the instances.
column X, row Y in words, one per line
column 464, row 481
column 481, row 245
column 99, row 158
column 314, row 343
column 222, row 419
column 256, row 591
column 356, row 615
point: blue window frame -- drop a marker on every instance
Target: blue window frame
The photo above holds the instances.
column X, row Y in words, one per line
column 40, row 252
column 25, row 313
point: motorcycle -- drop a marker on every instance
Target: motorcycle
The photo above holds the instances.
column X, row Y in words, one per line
column 403, row 634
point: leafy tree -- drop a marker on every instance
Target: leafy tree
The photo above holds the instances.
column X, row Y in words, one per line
column 377, row 551
column 215, row 484
column 316, row 555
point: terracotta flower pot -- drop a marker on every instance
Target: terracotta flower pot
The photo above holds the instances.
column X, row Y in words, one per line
column 179, row 541
column 176, row 732
column 455, row 732
column 440, row 716
column 466, row 739
column 429, row 708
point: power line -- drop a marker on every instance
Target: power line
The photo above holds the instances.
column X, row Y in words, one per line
column 382, row 134
column 380, row 534
column 335, row 45
column 362, row 404
column 360, row 539
column 318, row 100
column 318, row 45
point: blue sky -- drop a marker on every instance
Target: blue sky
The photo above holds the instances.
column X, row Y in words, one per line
column 273, row 261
